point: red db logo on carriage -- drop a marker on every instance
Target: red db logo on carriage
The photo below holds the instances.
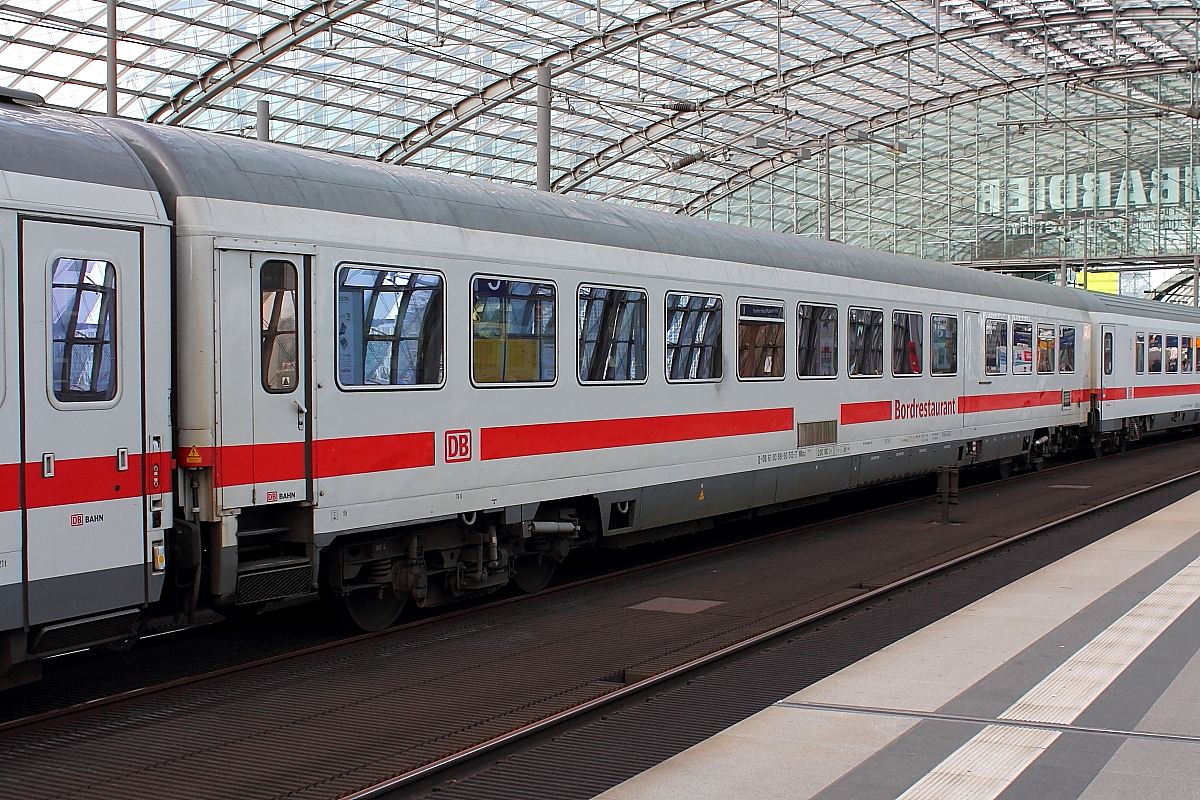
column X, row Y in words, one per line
column 458, row 446
column 272, row 497
column 76, row 520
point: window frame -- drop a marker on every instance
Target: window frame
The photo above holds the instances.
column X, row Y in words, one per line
column 297, row 333
column 837, row 354
column 1186, row 364
column 117, row 343
column 1012, row 340
column 667, row 310
column 579, row 335
column 883, row 344
column 392, row 387
column 471, row 331
column 1149, row 359
column 1108, row 352
column 1167, row 354
column 957, row 327
column 1037, row 348
column 1074, row 329
column 1007, row 341
column 892, row 350
column 783, row 347
column 1139, row 353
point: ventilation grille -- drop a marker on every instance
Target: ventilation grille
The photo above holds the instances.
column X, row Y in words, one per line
column 811, row 433
column 82, row 633
column 274, row 584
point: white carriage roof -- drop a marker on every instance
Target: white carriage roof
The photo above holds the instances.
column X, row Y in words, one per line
column 654, row 102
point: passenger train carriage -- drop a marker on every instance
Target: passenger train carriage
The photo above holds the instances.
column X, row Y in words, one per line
column 237, row 372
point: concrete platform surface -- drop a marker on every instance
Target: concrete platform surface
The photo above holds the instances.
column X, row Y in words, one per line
column 1081, row 680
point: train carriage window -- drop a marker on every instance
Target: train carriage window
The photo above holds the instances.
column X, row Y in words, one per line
column 512, row 331
column 280, row 358
column 865, row 342
column 817, row 337
column 1045, row 348
column 908, row 343
column 760, row 339
column 1022, row 348
column 693, row 337
column 1172, row 353
column 943, row 345
column 995, row 347
column 1139, row 353
column 1066, row 349
column 83, row 321
column 389, row 327
column 1108, row 353
column 1185, row 354
column 1156, row 352
column 612, row 335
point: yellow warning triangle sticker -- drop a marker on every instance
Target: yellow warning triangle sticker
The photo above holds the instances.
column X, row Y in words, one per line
column 193, row 456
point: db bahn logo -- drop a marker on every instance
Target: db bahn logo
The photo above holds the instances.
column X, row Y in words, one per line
column 78, row 520
column 458, row 446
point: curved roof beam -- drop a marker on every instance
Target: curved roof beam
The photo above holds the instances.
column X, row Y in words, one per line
column 748, row 94
column 252, row 56
column 769, row 166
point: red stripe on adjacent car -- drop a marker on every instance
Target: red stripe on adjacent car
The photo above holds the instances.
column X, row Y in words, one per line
column 82, row 480
column 567, row 437
column 1166, row 391
column 332, row 457
column 1002, row 402
column 10, row 487
column 876, row 411
column 1121, row 393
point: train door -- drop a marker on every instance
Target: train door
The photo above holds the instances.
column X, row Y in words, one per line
column 81, row 371
column 264, row 455
column 971, row 366
column 1107, row 370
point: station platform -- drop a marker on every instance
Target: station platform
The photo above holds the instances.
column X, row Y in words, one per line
column 1080, row 680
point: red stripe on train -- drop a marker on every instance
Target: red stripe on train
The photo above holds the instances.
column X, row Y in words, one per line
column 82, row 480
column 10, row 487
column 875, row 411
column 1002, row 402
column 1166, row 391
column 566, row 437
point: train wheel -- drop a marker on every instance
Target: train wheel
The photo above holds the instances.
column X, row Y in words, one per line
column 534, row 572
column 368, row 609
column 1098, row 448
column 1004, row 468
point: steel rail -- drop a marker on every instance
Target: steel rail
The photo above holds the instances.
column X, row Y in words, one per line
column 633, row 689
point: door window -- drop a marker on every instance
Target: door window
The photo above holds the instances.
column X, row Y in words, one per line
column 280, row 359
column 1108, row 353
column 83, row 313
column 1139, row 353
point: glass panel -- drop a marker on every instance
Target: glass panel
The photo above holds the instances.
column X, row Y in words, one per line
column 1108, row 353
column 389, row 328
column 995, row 347
column 943, row 345
column 865, row 341
column 818, row 341
column 908, row 343
column 512, row 331
column 1022, row 348
column 760, row 341
column 612, row 334
column 693, row 337
column 83, row 314
column 1066, row 349
column 1172, row 354
column 1045, row 348
column 1156, row 352
column 1139, row 353
column 280, row 359
column 1185, row 354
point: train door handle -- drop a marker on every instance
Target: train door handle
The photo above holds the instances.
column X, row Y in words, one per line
column 122, row 459
column 300, row 412
column 47, row 465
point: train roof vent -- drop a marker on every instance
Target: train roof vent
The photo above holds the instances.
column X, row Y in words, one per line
column 8, row 95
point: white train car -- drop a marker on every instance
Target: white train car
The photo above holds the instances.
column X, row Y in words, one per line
column 389, row 384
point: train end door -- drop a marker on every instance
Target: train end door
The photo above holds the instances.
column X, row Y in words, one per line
column 82, row 488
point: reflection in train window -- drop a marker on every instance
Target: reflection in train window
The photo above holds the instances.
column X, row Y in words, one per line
column 995, row 347
column 817, row 337
column 943, row 345
column 389, row 327
column 512, row 331
column 693, row 337
column 1185, row 354
column 1045, row 348
column 760, row 339
column 1066, row 349
column 908, row 343
column 1156, row 352
column 1022, row 348
column 1172, row 353
column 864, row 342
column 83, row 324
column 1139, row 353
column 612, row 335
column 280, row 358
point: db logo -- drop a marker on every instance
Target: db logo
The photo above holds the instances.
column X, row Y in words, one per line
column 458, row 446
column 76, row 520
column 272, row 497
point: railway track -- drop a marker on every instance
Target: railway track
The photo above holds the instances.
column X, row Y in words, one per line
column 627, row 686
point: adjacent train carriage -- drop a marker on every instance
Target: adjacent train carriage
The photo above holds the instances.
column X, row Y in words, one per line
column 388, row 385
